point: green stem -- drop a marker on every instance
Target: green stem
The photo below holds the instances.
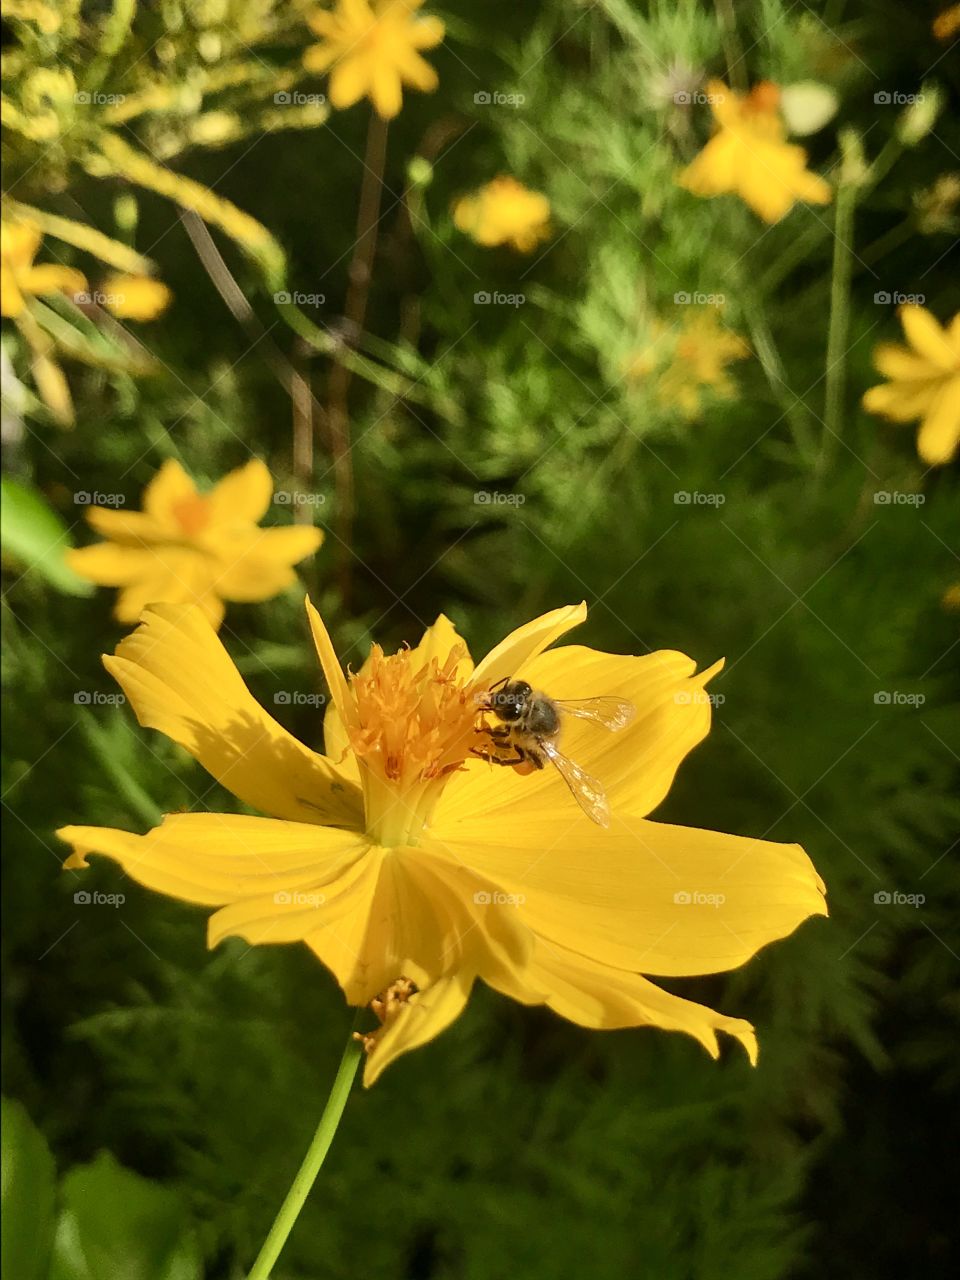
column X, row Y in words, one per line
column 839, row 329
column 312, row 1161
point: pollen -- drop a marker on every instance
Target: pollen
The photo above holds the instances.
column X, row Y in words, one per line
column 415, row 720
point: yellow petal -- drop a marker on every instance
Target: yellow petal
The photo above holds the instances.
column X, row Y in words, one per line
column 171, row 575
column 597, row 996
column 349, row 81
column 523, row 645
column 940, row 429
column 180, row 680
column 635, row 766
column 243, row 496
column 136, row 297
column 901, row 401
column 713, row 171
column 169, row 488
column 340, row 695
column 132, row 527
column 53, row 387
column 215, row 858
column 50, row 278
column 259, row 565
column 110, row 564
column 423, row 1017
column 426, row 33
column 927, row 337
column 385, row 91
column 642, row 896
column 900, row 364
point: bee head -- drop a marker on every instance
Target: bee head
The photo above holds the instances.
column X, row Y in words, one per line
column 509, row 701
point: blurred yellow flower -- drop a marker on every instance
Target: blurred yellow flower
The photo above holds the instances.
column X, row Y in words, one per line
column 683, row 362
column 411, row 868
column 20, row 279
column 951, row 598
column 135, row 297
column 371, row 49
column 504, row 212
column 924, row 382
column 947, row 24
column 749, row 156
column 191, row 547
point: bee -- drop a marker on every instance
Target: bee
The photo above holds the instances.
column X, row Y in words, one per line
column 529, row 725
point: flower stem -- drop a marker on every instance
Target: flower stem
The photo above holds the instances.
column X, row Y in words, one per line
column 312, row 1161
column 839, row 326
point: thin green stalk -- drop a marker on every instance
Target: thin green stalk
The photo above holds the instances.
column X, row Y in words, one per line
column 838, row 333
column 793, row 408
column 312, row 1161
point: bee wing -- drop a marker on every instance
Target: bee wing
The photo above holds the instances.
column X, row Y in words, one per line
column 587, row 791
column 610, row 713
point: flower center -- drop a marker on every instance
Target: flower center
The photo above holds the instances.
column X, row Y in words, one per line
column 192, row 514
column 413, row 723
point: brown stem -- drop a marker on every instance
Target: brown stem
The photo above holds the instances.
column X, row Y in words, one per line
column 355, row 312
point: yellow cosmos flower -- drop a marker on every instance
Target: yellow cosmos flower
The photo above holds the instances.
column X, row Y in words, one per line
column 749, row 156
column 20, row 279
column 412, row 868
column 691, row 359
column 371, row 48
column 947, row 24
column 504, row 212
column 924, row 382
column 194, row 548
column 136, row 297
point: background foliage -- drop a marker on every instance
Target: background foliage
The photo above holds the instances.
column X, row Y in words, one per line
column 516, row 1144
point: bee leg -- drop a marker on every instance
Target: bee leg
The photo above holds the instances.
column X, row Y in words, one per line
column 495, row 759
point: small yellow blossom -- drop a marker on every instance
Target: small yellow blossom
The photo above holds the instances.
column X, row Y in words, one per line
column 411, row 868
column 924, row 382
column 371, row 49
column 135, row 297
column 947, row 24
column 20, row 279
column 191, row 547
column 951, row 598
column 748, row 155
column 504, row 212
column 690, row 359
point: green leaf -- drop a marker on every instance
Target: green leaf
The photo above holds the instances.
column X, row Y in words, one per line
column 115, row 1223
column 28, row 1190
column 35, row 536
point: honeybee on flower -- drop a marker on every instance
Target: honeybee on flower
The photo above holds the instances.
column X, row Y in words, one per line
column 412, row 869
